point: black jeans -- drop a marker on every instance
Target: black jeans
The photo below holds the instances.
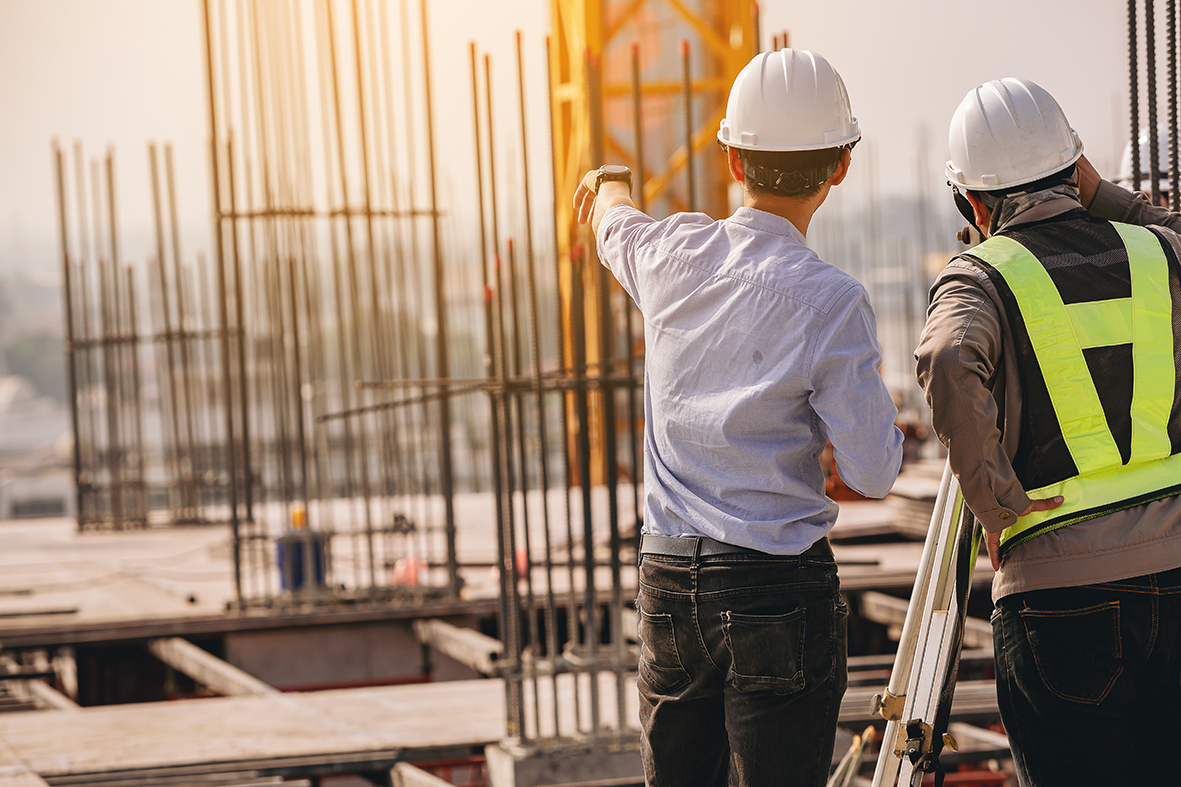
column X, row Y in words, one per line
column 1089, row 681
column 742, row 668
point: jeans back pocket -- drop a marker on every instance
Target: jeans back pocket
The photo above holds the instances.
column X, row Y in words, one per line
column 660, row 661
column 1077, row 651
column 766, row 651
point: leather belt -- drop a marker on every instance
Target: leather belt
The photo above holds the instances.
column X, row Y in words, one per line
column 688, row 546
column 700, row 546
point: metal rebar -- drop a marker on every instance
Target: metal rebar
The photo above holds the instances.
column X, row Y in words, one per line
column 221, row 274
column 518, row 402
column 377, row 357
column 115, row 382
column 687, row 109
column 629, row 310
column 572, row 627
column 172, row 409
column 137, row 401
column 1174, row 189
column 511, row 634
column 491, row 364
column 87, row 432
column 606, row 396
column 539, row 392
column 356, row 335
column 1153, row 137
column 443, row 370
column 189, row 484
column 71, row 359
column 1134, row 93
column 758, row 36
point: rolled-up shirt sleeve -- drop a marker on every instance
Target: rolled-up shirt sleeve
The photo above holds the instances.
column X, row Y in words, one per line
column 957, row 359
column 850, row 397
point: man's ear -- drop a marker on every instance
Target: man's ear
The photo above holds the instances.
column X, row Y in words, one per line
column 982, row 212
column 842, row 168
column 735, row 163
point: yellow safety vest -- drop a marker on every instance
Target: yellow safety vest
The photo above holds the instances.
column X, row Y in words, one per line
column 1059, row 333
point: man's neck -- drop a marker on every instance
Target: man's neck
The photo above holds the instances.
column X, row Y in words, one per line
column 798, row 211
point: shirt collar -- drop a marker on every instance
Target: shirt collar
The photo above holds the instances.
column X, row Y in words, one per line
column 767, row 222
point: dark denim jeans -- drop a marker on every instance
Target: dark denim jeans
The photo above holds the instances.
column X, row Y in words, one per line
column 742, row 668
column 1089, row 681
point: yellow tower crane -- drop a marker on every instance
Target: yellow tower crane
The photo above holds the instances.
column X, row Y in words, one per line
column 642, row 83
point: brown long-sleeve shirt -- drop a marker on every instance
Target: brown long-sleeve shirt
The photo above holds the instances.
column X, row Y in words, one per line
column 967, row 365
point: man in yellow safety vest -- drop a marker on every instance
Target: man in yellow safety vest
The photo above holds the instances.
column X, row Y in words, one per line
column 1050, row 359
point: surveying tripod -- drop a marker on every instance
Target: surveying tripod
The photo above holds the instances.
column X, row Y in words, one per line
column 917, row 701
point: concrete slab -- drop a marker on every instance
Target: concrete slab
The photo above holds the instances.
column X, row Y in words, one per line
column 509, row 766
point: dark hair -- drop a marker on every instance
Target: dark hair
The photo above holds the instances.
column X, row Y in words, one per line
column 788, row 173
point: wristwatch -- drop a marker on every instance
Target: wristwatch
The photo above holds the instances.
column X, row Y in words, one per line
column 613, row 172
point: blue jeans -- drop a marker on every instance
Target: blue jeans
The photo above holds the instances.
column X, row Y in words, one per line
column 1089, row 681
column 742, row 668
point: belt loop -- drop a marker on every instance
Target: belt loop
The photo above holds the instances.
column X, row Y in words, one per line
column 697, row 542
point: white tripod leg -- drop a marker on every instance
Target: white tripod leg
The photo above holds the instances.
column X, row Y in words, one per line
column 929, row 645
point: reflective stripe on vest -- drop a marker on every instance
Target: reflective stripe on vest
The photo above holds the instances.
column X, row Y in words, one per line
column 1059, row 333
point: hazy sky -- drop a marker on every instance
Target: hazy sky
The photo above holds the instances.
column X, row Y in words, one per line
column 125, row 72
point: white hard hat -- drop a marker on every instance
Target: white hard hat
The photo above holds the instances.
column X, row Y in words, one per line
column 788, row 100
column 1162, row 160
column 1006, row 133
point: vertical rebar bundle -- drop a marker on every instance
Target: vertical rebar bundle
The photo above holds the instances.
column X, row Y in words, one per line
column 342, row 388
column 1150, row 161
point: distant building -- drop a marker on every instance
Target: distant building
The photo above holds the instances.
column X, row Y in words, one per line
column 35, row 452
